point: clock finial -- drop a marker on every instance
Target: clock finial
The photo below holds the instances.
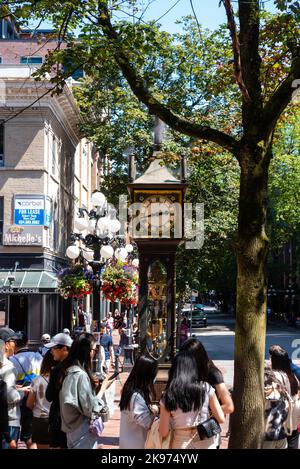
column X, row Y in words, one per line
column 159, row 130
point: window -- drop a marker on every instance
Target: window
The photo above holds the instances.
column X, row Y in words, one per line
column 31, row 60
column 1, row 219
column 84, row 164
column 54, row 149
column 1, row 144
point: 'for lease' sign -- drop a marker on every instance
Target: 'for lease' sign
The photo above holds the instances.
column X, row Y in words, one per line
column 29, row 211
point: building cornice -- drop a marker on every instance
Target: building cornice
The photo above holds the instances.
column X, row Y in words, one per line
column 20, row 93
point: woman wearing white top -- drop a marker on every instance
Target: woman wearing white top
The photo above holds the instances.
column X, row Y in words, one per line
column 186, row 403
column 37, row 402
column 137, row 413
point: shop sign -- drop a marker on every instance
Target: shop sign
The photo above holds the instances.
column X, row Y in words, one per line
column 29, row 210
column 8, row 290
column 25, row 291
column 22, row 235
column 32, row 210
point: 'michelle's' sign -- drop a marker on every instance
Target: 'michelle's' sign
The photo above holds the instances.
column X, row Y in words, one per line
column 22, row 235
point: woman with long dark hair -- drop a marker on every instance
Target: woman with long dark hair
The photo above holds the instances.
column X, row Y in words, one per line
column 137, row 413
column 78, row 398
column 209, row 372
column 281, row 365
column 186, row 403
column 37, row 402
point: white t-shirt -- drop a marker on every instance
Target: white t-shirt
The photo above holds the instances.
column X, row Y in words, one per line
column 41, row 406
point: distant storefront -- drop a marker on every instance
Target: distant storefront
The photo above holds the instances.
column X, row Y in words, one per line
column 29, row 300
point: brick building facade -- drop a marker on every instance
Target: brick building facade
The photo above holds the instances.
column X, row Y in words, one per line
column 47, row 170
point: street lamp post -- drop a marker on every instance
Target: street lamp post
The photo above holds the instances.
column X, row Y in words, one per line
column 290, row 293
column 97, row 247
column 272, row 294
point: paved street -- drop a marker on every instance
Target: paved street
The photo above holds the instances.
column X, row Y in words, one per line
column 218, row 337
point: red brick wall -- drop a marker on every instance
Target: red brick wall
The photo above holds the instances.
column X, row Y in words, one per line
column 12, row 50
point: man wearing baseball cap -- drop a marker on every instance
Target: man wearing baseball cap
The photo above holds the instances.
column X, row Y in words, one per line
column 60, row 346
column 9, row 336
column 45, row 339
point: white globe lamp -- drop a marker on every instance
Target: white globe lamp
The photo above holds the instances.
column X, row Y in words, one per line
column 72, row 252
column 104, row 223
column 88, row 254
column 81, row 224
column 129, row 247
column 91, row 226
column 121, row 254
column 98, row 199
column 114, row 225
column 106, row 252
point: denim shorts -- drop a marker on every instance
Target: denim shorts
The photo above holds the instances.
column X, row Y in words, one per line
column 14, row 435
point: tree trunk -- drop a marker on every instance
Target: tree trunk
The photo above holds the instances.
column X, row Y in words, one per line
column 251, row 250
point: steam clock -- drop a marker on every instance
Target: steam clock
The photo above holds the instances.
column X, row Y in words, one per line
column 156, row 225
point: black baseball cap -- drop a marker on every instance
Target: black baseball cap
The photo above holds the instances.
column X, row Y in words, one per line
column 7, row 334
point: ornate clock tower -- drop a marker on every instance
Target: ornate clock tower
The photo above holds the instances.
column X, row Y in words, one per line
column 156, row 225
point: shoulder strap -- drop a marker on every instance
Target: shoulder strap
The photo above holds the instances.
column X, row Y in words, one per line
column 20, row 364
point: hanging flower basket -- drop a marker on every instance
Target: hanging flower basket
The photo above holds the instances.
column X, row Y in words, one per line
column 75, row 282
column 120, row 283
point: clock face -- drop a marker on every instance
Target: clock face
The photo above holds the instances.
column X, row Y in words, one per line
column 158, row 214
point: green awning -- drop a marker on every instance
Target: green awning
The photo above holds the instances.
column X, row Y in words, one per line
column 27, row 281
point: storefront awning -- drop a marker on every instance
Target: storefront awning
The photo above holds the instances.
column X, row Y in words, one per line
column 27, row 282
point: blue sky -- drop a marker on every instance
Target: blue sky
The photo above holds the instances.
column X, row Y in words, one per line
column 208, row 12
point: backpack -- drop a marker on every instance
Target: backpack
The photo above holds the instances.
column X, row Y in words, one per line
column 293, row 407
column 276, row 413
column 28, row 377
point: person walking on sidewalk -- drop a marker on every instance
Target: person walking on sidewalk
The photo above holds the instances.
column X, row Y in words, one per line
column 186, row 403
column 45, row 339
column 210, row 372
column 107, row 343
column 37, row 402
column 281, row 365
column 78, row 399
column 137, row 413
column 8, row 375
column 27, row 364
column 60, row 346
column 212, row 375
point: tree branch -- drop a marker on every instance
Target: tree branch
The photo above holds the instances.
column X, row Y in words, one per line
column 283, row 95
column 236, row 50
column 249, row 16
column 137, row 85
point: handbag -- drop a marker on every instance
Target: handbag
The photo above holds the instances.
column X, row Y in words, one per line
column 104, row 413
column 96, row 426
column 208, row 428
column 154, row 440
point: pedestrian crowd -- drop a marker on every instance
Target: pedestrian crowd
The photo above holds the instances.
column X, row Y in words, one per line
column 56, row 398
